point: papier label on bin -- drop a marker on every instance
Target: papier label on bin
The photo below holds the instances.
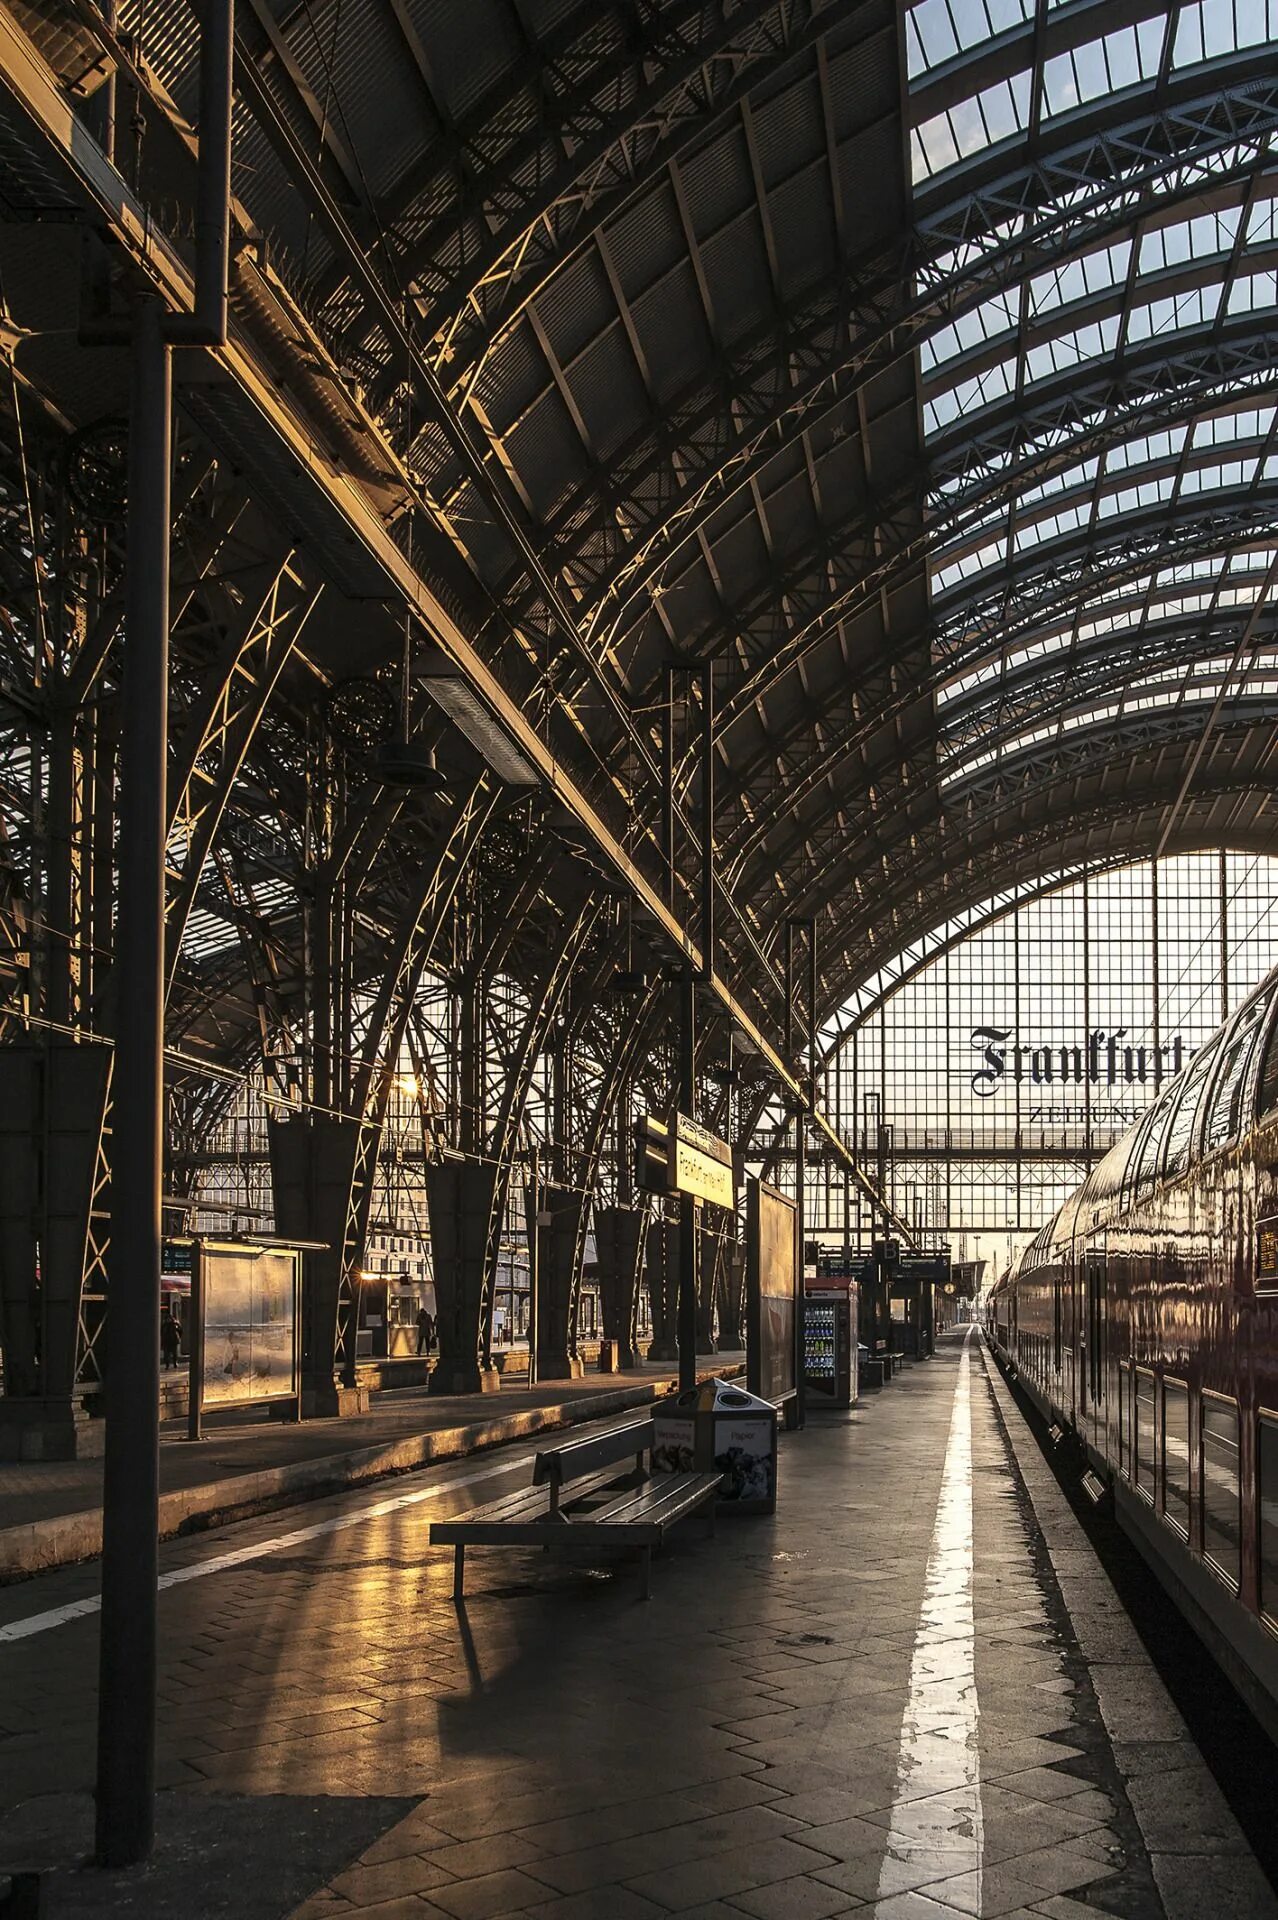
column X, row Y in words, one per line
column 743, row 1453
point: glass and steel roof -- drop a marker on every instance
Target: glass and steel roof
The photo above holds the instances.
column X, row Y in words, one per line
column 919, row 371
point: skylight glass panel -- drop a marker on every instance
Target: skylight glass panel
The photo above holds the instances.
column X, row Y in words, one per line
column 1088, row 273
column 1185, row 240
column 1149, row 493
column 1193, row 308
column 1145, row 450
column 983, row 560
column 1072, row 348
column 1052, row 526
column 1226, row 473
column 937, row 30
column 1213, row 28
column 992, row 115
column 1108, row 65
column 974, row 329
column 1263, row 223
column 1253, row 292
column 968, row 396
column 1249, row 423
column 1080, row 475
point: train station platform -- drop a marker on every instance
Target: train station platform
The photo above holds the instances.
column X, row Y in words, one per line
column 911, row 1694
column 51, row 1512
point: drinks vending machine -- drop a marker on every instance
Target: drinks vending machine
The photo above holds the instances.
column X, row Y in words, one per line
column 829, row 1348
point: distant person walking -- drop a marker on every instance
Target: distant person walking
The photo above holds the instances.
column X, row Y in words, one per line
column 425, row 1331
column 170, row 1337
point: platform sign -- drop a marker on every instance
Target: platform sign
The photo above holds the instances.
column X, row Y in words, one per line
column 772, row 1290
column 700, row 1163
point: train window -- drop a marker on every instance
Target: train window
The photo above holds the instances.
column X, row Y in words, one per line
column 1144, row 1432
column 1221, row 1515
column 1225, row 1116
column 1267, row 1099
column 1142, row 1172
column 1268, row 1451
column 1180, row 1136
column 1124, row 1419
column 1176, row 1455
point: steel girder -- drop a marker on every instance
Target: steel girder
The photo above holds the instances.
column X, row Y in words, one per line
column 1050, row 583
column 791, row 379
column 1091, row 802
column 524, row 204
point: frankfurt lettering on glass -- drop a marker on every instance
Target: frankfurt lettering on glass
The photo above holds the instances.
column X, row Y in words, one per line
column 1106, row 1059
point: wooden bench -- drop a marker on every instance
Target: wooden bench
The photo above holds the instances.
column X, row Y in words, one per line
column 582, row 1498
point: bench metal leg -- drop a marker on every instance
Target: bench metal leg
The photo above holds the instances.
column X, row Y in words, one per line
column 459, row 1570
column 645, row 1577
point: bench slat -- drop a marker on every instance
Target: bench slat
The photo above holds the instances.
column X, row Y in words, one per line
column 656, row 1501
column 560, row 1465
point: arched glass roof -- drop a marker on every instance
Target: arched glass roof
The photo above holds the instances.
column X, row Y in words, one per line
column 917, row 370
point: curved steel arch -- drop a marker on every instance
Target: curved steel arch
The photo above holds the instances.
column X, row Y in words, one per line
column 890, row 324
column 1047, row 783
column 859, row 555
column 964, row 884
column 1192, row 535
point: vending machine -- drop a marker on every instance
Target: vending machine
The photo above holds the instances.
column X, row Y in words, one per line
column 829, row 1348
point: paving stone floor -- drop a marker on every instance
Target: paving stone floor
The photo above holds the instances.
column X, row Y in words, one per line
column 873, row 1703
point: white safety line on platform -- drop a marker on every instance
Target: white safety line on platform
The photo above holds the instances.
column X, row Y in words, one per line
column 937, row 1809
column 220, row 1563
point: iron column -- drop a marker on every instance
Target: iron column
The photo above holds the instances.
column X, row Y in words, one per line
column 130, row 1497
column 687, row 1316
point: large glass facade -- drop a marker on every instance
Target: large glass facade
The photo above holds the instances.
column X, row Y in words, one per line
column 982, row 1085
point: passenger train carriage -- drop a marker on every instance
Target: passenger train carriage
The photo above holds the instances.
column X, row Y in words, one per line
column 1144, row 1317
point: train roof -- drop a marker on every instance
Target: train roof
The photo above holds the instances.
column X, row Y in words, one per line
column 1228, row 1084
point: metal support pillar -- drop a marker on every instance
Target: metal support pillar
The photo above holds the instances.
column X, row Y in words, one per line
column 707, row 821
column 533, row 1215
column 130, row 1503
column 131, row 1490
column 687, row 1205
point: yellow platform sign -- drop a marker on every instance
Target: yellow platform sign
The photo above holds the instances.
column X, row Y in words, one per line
column 700, row 1163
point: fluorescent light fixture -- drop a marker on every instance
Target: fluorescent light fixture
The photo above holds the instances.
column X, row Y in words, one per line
column 486, row 734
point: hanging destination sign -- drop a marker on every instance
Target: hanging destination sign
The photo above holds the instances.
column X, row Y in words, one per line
column 700, row 1163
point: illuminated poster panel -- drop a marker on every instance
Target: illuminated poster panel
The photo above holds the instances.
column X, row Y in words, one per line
column 249, row 1297
column 772, row 1282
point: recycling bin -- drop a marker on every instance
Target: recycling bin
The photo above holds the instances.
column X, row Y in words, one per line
column 717, row 1424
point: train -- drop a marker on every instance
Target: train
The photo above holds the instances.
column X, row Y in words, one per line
column 1143, row 1321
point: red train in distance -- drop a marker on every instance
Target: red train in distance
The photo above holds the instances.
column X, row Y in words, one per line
column 1144, row 1318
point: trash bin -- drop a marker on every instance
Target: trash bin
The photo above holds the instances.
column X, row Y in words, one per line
column 608, row 1356
column 719, row 1425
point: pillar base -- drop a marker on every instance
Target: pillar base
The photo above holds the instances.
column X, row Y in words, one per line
column 663, row 1350
column 330, row 1400
column 614, row 1357
column 457, row 1380
column 36, row 1429
column 560, row 1366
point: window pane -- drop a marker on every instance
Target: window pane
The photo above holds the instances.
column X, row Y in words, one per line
column 1269, row 1518
column 1221, row 1525
column 1225, row 1119
column 1124, row 1421
column 1176, row 1454
column 1182, row 1127
column 1145, row 1432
